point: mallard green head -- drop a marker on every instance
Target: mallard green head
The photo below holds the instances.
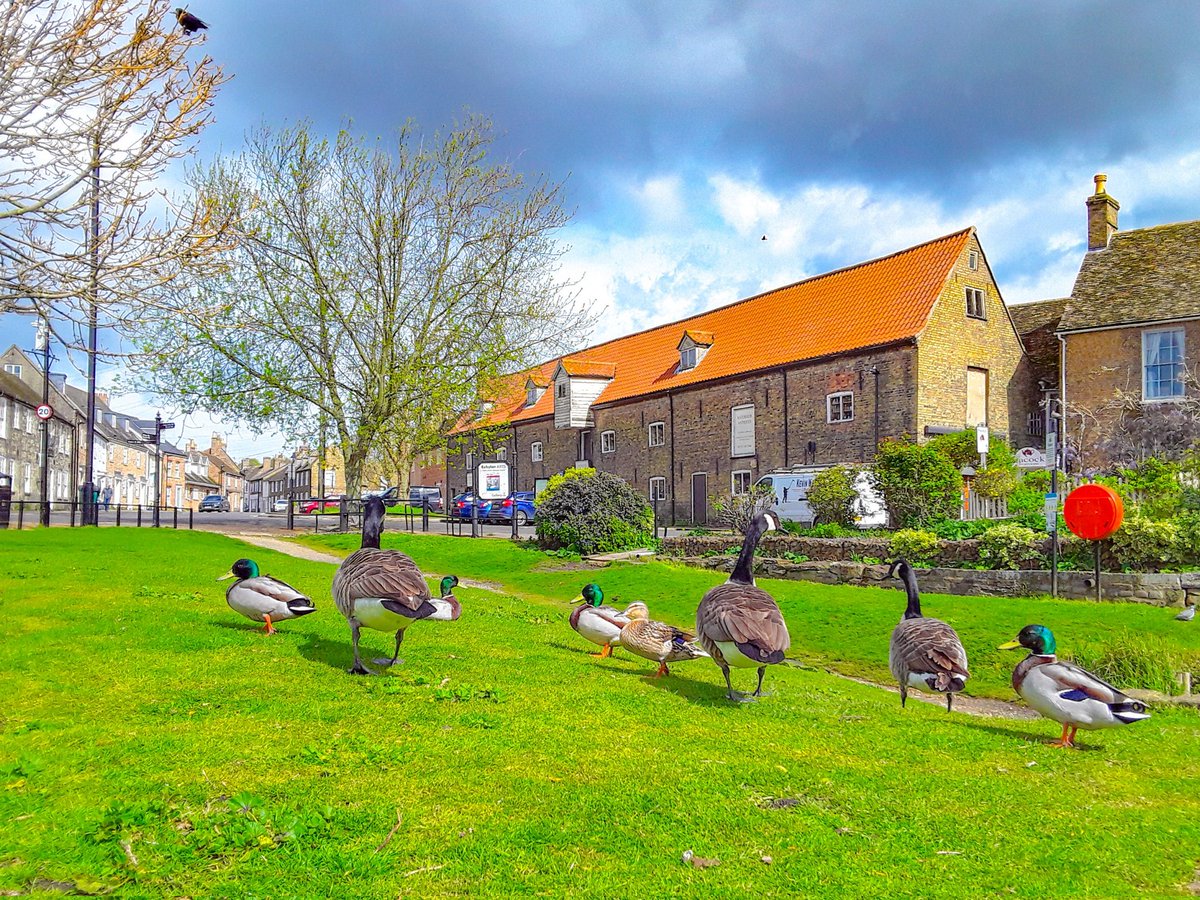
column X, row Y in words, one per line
column 1037, row 639
column 591, row 595
column 243, row 568
column 449, row 583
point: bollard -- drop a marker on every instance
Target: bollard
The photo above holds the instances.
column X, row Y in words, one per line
column 190, row 512
column 139, row 515
column 175, row 514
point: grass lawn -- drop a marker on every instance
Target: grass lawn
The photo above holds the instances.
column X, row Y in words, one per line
column 155, row 743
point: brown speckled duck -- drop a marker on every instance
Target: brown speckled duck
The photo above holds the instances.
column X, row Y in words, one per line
column 656, row 641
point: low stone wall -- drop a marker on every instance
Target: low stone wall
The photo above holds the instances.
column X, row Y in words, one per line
column 819, row 549
column 1157, row 589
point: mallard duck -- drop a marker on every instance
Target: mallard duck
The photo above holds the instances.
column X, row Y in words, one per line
column 739, row 624
column 599, row 624
column 1064, row 692
column 384, row 590
column 656, row 641
column 924, row 653
column 1189, row 610
column 263, row 598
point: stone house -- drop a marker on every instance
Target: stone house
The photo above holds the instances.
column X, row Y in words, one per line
column 916, row 344
column 21, row 431
column 1127, row 337
column 252, row 478
column 226, row 473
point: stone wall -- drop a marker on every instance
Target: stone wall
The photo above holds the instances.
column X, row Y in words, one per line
column 1156, row 589
column 817, row 549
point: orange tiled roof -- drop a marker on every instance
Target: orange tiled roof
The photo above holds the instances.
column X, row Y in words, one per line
column 865, row 305
column 703, row 338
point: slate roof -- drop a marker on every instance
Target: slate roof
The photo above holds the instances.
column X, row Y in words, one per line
column 1144, row 275
column 866, row 305
column 1036, row 324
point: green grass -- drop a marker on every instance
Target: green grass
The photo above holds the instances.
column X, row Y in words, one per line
column 146, row 721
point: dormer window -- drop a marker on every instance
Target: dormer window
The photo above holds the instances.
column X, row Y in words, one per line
column 692, row 347
column 533, row 392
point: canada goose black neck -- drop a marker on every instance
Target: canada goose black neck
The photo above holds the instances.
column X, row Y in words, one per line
column 373, row 512
column 742, row 572
column 913, row 610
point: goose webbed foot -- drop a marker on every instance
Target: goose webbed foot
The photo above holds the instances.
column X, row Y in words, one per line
column 359, row 669
column 384, row 661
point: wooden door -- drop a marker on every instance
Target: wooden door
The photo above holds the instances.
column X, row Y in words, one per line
column 700, row 498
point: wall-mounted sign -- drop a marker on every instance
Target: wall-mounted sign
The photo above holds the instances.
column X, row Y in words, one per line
column 981, row 439
column 1031, row 458
column 741, row 441
column 492, row 480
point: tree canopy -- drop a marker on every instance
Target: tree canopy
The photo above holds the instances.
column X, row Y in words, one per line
column 371, row 288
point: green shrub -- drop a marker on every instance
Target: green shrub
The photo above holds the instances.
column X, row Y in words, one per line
column 592, row 512
column 920, row 548
column 829, row 530
column 999, row 479
column 1152, row 488
column 918, row 483
column 1146, row 545
column 1008, row 545
column 737, row 511
column 960, row 530
column 1135, row 660
column 832, row 495
column 1187, row 524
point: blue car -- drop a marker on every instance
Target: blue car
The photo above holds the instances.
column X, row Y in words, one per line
column 522, row 502
column 460, row 506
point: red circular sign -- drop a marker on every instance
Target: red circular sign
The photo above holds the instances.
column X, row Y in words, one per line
column 44, row 411
column 1093, row 511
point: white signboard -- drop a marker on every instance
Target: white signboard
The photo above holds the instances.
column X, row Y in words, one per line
column 1050, row 509
column 1031, row 458
column 742, row 427
column 1051, row 444
column 493, row 480
column 981, row 439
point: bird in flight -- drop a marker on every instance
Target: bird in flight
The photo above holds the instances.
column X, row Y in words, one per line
column 190, row 24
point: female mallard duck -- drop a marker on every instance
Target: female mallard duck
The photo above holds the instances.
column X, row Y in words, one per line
column 599, row 624
column 924, row 653
column 656, row 641
column 384, row 590
column 1066, row 693
column 739, row 624
column 263, row 598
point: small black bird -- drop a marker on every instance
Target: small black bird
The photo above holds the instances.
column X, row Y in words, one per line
column 188, row 22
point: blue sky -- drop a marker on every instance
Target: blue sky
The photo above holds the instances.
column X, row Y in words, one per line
column 686, row 131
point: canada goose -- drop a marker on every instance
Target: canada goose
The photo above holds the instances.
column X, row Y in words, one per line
column 924, row 653
column 384, row 589
column 262, row 598
column 739, row 624
column 1066, row 693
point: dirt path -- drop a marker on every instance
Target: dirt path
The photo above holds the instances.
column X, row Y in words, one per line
column 972, row 706
column 301, row 552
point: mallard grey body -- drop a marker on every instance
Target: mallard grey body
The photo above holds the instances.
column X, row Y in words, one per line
column 385, row 591
column 262, row 598
column 656, row 641
column 737, row 623
column 925, row 653
column 599, row 624
column 1065, row 692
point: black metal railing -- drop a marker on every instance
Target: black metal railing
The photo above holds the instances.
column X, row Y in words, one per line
column 70, row 513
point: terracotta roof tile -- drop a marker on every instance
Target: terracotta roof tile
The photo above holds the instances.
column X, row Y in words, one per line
column 703, row 338
column 866, row 305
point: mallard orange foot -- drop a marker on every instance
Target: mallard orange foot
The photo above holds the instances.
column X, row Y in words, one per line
column 605, row 652
column 662, row 670
column 270, row 629
column 1066, row 740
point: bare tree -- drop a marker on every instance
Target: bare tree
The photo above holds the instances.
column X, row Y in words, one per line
column 374, row 288
column 97, row 98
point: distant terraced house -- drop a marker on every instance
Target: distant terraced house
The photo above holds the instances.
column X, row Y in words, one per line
column 917, row 343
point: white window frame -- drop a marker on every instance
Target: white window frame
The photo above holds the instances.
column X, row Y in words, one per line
column 736, row 476
column 13, row 369
column 735, row 450
column 1182, row 392
column 972, row 260
column 976, row 299
column 535, row 451
column 662, row 434
column 3, row 417
column 661, row 484
column 689, row 358
column 28, row 480
column 29, row 421
column 840, row 397
column 608, row 442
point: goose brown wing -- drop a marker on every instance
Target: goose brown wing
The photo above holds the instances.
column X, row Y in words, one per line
column 384, row 575
column 929, row 645
column 744, row 614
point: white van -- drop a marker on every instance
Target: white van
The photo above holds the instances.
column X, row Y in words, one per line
column 791, row 497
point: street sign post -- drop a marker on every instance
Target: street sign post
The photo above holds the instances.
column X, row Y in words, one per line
column 45, row 411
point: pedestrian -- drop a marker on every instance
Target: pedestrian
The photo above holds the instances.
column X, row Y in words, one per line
column 107, row 496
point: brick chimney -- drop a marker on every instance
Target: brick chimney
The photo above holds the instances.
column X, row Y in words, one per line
column 1102, row 216
column 218, row 443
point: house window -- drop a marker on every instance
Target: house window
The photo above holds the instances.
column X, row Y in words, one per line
column 1162, row 364
column 501, row 454
column 3, row 417
column 976, row 303
column 533, row 395
column 658, row 489
column 687, row 359
column 12, row 369
column 29, row 421
column 839, row 407
column 741, row 428
column 972, row 260
column 535, row 451
column 740, row 482
column 608, row 441
column 977, row 397
column 657, row 434
column 561, row 389
column 28, row 479
column 125, row 456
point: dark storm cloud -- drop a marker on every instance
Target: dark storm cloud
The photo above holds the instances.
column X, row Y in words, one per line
column 923, row 92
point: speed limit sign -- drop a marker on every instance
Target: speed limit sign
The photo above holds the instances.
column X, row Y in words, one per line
column 44, row 411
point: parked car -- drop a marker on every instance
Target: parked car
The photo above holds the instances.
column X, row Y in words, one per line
column 418, row 494
column 460, row 506
column 791, row 497
column 280, row 505
column 309, row 506
column 521, row 501
column 214, row 503
column 387, row 495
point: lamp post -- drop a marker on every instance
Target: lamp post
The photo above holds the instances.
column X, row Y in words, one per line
column 88, row 512
column 158, row 426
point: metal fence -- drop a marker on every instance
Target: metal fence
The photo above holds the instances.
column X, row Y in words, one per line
column 71, row 513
